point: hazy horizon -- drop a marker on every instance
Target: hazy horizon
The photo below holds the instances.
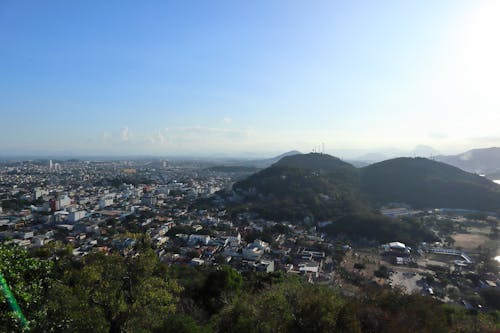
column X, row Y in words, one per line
column 231, row 78
column 352, row 155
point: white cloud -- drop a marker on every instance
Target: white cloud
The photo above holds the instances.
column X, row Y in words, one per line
column 227, row 120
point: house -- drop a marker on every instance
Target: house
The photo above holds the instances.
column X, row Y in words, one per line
column 76, row 216
column 233, row 240
column 261, row 245
column 198, row 239
column 396, row 248
column 309, row 268
column 266, row 266
column 252, row 252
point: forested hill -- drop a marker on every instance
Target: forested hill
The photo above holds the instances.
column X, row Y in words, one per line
column 421, row 182
column 314, row 161
column 295, row 187
column 326, row 187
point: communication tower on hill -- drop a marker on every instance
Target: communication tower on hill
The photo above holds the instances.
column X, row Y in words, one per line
column 320, row 149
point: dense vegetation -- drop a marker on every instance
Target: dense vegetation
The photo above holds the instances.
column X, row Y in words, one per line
column 324, row 187
column 380, row 228
column 319, row 186
column 282, row 192
column 111, row 293
column 424, row 183
column 316, row 187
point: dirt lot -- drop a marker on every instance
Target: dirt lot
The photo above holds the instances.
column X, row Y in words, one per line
column 406, row 280
column 371, row 261
column 469, row 241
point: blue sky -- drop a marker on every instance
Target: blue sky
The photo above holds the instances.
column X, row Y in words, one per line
column 202, row 77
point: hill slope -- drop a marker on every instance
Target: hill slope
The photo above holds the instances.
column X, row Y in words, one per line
column 297, row 186
column 326, row 187
column 424, row 183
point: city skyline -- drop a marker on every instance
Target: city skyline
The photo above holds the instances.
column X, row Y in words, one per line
column 93, row 78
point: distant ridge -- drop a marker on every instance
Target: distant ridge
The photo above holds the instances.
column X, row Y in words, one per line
column 264, row 162
column 482, row 161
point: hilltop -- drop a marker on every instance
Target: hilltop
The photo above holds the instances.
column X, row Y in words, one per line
column 313, row 161
column 298, row 186
column 323, row 186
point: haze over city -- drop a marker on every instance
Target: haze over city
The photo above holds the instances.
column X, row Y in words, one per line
column 163, row 78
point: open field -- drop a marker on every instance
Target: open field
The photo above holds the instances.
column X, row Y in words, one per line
column 469, row 241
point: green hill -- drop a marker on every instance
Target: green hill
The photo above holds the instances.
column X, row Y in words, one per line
column 313, row 161
column 317, row 187
column 325, row 187
column 424, row 183
column 298, row 186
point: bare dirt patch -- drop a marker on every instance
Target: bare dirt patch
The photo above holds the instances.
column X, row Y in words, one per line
column 468, row 241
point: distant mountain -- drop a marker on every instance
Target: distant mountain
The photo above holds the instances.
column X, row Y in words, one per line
column 482, row 161
column 261, row 163
column 358, row 164
column 245, row 165
column 418, row 151
column 269, row 161
column 423, row 151
column 372, row 157
column 326, row 187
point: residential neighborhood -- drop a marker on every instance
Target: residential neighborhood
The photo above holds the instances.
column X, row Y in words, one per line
column 109, row 206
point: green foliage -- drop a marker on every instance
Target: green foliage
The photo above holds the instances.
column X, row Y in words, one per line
column 182, row 323
column 286, row 193
column 180, row 229
column 27, row 278
column 122, row 295
column 286, row 307
column 424, row 183
column 14, row 204
column 492, row 297
column 382, row 272
column 380, row 228
column 111, row 293
column 220, row 285
column 324, row 187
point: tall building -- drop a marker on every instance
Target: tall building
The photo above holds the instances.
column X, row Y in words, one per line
column 63, row 202
column 105, row 201
column 74, row 217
